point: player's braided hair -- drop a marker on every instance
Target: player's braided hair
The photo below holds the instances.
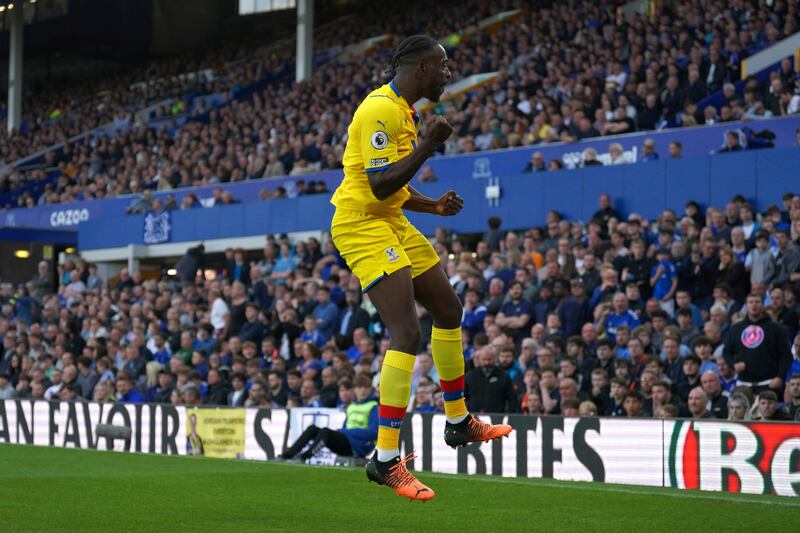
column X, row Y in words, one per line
column 409, row 48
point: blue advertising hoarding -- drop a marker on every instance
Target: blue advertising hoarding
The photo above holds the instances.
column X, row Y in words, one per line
column 698, row 141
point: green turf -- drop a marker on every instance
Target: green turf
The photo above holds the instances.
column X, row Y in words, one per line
column 50, row 489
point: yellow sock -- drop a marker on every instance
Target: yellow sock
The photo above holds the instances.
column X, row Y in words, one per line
column 394, row 396
column 448, row 357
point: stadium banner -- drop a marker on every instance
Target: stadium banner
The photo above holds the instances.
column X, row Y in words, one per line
column 266, row 433
column 153, row 428
column 323, row 417
column 696, row 141
column 215, row 432
column 754, row 458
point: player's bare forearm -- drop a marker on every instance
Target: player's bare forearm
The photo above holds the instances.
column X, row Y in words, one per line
column 449, row 204
column 419, row 202
column 389, row 181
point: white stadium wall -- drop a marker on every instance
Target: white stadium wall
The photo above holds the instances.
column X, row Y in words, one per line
column 755, row 458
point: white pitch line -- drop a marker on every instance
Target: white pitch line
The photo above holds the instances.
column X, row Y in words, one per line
column 669, row 492
column 555, row 484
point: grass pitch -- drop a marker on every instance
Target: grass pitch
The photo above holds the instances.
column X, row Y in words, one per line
column 51, row 489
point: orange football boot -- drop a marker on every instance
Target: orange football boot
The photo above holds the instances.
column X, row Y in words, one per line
column 473, row 430
column 395, row 475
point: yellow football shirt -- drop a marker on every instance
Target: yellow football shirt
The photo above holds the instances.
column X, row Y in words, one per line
column 384, row 131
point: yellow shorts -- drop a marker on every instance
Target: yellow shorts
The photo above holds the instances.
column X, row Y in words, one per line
column 374, row 246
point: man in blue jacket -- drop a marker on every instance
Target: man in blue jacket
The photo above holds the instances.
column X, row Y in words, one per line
column 126, row 392
column 357, row 436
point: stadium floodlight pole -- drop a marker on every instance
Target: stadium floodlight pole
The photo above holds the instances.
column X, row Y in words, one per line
column 17, row 27
column 305, row 39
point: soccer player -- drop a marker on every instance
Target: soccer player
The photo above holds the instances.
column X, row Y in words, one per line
column 394, row 262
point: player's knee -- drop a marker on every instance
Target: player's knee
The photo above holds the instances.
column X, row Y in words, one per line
column 407, row 337
column 449, row 317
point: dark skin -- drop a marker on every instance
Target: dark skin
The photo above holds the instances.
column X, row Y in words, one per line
column 394, row 296
column 422, row 76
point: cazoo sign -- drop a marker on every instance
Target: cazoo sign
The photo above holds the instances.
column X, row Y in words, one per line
column 68, row 217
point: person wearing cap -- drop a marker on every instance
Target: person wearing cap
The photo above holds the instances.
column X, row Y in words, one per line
column 664, row 280
column 162, row 392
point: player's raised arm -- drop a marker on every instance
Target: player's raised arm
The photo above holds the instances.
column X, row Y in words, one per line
column 384, row 183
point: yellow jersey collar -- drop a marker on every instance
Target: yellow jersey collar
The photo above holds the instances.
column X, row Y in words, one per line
column 411, row 108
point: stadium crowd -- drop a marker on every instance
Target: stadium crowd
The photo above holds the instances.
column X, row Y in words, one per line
column 691, row 315
column 568, row 72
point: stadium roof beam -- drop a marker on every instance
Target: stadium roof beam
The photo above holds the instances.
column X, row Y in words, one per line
column 17, row 27
column 305, row 40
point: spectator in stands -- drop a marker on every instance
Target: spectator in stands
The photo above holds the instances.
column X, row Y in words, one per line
column 589, row 158
column 766, row 407
column 698, row 403
column 649, row 152
column 621, row 315
column 7, row 390
column 218, row 388
column 536, row 164
column 632, row 404
column 487, row 387
column 516, row 313
column 675, row 150
column 238, row 393
column 717, row 401
column 732, row 143
column 758, row 349
column 787, row 262
column 42, row 284
column 662, row 395
column 126, row 392
column 791, row 406
column 760, row 261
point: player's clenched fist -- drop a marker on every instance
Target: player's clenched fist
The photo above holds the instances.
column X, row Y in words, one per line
column 438, row 129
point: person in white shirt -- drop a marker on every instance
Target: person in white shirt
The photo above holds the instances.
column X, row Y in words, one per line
column 53, row 390
column 219, row 310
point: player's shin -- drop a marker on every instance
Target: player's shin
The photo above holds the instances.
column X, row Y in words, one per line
column 395, row 391
column 448, row 357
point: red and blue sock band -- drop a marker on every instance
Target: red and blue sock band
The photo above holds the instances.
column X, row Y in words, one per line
column 452, row 390
column 390, row 416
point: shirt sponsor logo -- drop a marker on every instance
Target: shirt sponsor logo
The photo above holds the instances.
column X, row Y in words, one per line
column 379, row 140
column 379, row 162
column 752, row 336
